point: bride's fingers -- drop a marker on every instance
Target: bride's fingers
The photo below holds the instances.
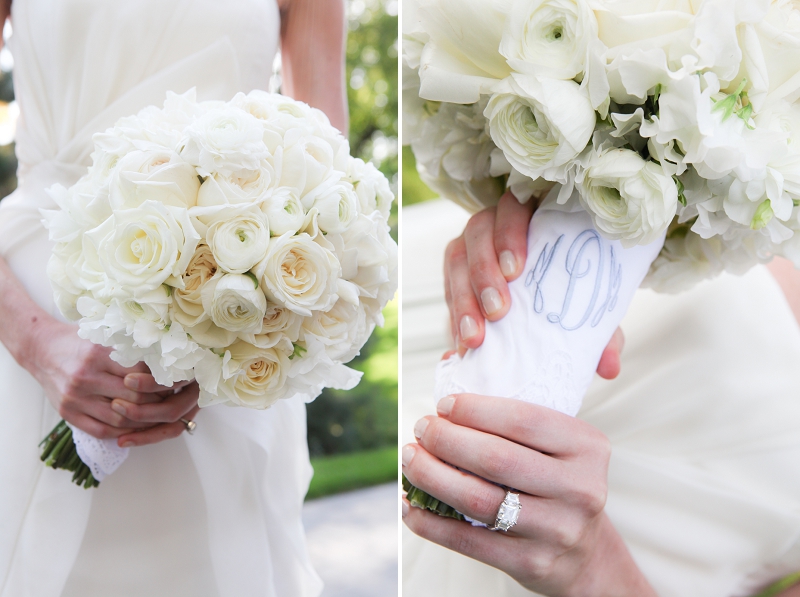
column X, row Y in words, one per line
column 96, row 428
column 493, row 458
column 488, row 282
column 531, row 425
column 99, row 408
column 145, row 382
column 169, row 410
column 467, row 317
column 511, row 234
column 115, row 368
column 158, row 433
column 609, row 365
column 493, row 549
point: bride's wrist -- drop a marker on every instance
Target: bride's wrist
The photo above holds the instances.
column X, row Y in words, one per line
column 610, row 570
column 28, row 351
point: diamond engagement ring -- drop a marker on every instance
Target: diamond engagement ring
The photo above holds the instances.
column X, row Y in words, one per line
column 508, row 513
column 190, row 426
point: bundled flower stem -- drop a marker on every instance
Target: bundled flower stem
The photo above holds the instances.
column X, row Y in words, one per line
column 419, row 499
column 58, row 451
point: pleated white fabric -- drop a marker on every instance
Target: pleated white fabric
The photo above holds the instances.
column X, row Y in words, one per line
column 215, row 514
column 704, row 482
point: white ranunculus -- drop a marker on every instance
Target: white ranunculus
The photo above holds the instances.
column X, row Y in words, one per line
column 336, row 202
column 299, row 274
column 235, row 302
column 187, row 301
column 629, row 199
column 284, row 211
column 548, row 37
column 244, row 186
column 238, row 237
column 142, row 248
column 156, row 175
column 225, row 141
column 244, row 376
column 371, row 186
column 541, row 125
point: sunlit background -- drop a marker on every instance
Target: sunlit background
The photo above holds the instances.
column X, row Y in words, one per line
column 352, row 436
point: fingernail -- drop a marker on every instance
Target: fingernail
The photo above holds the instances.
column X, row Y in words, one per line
column 508, row 263
column 405, row 507
column 445, row 405
column 131, row 382
column 128, row 445
column 420, row 428
column 468, row 327
column 118, row 408
column 408, row 454
column 492, row 301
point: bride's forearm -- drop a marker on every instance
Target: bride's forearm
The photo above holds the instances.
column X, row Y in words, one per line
column 21, row 319
column 312, row 47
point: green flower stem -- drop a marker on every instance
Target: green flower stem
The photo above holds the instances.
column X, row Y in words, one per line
column 419, row 499
column 59, row 452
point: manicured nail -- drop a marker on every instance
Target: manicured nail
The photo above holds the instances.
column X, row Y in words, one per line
column 118, row 408
column 445, row 405
column 405, row 507
column 131, row 382
column 420, row 427
column 408, row 454
column 468, row 327
column 508, row 263
column 128, row 444
column 492, row 301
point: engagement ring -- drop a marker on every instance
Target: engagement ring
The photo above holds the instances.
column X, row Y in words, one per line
column 190, row 426
column 508, row 513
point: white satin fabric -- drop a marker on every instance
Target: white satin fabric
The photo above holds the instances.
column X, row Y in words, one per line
column 704, row 481
column 214, row 514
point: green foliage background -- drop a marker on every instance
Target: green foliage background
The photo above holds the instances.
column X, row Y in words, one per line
column 366, row 417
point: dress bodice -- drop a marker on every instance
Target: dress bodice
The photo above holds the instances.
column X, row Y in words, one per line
column 82, row 64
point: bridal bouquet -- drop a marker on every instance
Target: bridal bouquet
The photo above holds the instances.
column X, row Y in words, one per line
column 664, row 136
column 238, row 244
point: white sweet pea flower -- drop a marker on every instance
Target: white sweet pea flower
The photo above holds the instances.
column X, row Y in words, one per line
column 140, row 249
column 235, row 302
column 284, row 210
column 541, row 125
column 548, row 38
column 238, row 236
column 244, row 376
column 299, row 274
column 225, row 141
column 629, row 199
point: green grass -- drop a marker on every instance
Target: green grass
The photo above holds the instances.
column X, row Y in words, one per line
column 335, row 474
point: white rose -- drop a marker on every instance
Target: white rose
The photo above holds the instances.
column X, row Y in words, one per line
column 140, row 249
column 284, row 211
column 245, row 376
column 235, row 302
column 238, row 237
column 278, row 327
column 629, row 199
column 306, row 162
column 187, row 301
column 343, row 330
column 541, row 126
column 157, row 175
column 299, row 274
column 244, row 186
column 336, row 202
column 548, row 37
column 224, row 141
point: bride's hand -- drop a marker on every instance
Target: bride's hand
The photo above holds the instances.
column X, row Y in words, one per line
column 80, row 380
column 478, row 266
column 563, row 544
column 163, row 418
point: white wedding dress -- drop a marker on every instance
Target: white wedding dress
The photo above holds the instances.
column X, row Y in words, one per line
column 213, row 514
column 704, row 420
